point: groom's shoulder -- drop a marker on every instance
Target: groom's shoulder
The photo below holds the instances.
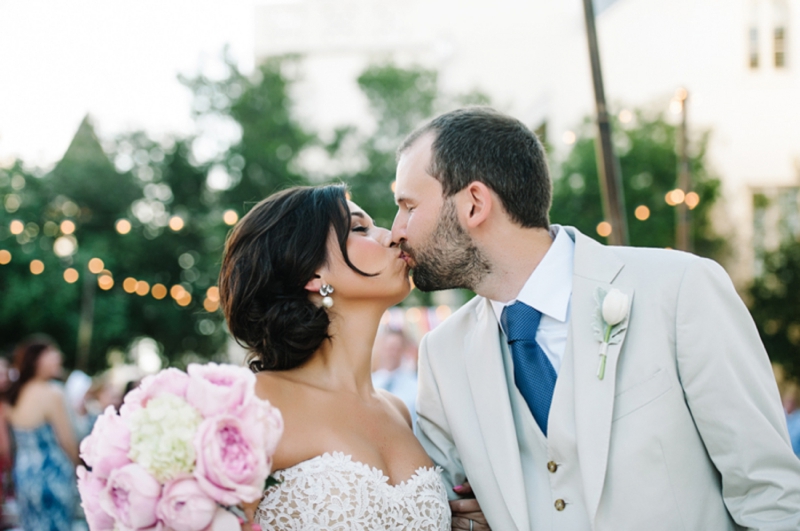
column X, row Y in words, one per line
column 654, row 264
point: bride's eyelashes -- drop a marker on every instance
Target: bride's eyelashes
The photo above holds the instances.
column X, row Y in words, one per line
column 360, row 229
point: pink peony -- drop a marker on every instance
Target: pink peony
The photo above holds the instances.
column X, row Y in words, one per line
column 130, row 497
column 90, row 486
column 184, row 507
column 106, row 448
column 261, row 413
column 215, row 389
column 232, row 464
column 169, row 381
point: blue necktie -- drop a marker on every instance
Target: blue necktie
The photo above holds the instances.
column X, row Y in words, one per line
column 533, row 372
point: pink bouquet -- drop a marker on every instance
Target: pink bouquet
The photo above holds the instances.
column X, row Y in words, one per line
column 183, row 448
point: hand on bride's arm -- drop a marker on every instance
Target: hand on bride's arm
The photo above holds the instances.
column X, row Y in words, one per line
column 467, row 510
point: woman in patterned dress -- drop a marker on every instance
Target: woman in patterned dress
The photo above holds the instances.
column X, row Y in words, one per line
column 46, row 450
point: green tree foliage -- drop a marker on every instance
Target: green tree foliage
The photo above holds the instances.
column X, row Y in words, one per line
column 775, row 305
column 648, row 161
column 260, row 163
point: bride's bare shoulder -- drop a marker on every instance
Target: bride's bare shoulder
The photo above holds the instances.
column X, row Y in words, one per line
column 397, row 405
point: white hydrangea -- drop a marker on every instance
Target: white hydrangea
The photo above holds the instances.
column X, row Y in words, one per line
column 162, row 435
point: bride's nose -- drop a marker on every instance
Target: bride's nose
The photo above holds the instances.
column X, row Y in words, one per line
column 385, row 237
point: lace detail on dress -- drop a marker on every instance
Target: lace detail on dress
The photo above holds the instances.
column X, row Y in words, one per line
column 333, row 492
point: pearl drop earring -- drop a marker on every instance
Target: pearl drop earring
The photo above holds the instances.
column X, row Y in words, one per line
column 326, row 291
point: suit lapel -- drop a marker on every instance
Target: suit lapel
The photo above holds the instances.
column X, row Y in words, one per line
column 596, row 267
column 487, row 381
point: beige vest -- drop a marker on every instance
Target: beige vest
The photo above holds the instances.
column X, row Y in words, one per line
column 550, row 467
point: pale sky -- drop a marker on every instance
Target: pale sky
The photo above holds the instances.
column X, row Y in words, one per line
column 117, row 60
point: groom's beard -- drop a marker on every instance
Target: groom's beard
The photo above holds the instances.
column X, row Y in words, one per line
column 449, row 259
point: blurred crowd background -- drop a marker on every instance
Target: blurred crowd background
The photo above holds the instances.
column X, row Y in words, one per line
column 133, row 136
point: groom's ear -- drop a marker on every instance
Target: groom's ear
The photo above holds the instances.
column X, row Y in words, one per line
column 478, row 201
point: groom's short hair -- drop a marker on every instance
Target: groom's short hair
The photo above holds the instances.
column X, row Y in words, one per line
column 481, row 144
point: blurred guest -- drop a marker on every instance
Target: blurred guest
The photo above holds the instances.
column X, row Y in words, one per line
column 5, row 441
column 790, row 397
column 46, row 449
column 395, row 368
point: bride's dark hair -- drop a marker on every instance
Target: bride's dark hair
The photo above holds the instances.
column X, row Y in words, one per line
column 270, row 256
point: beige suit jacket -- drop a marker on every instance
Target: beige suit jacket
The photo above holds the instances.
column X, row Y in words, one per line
column 685, row 431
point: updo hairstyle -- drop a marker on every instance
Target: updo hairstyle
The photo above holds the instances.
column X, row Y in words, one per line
column 270, row 256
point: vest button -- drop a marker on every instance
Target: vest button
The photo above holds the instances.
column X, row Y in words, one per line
column 552, row 466
column 560, row 504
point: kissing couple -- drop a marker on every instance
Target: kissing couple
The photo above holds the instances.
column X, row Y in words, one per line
column 585, row 388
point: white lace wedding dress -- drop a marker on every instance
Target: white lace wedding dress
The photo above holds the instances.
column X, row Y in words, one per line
column 332, row 492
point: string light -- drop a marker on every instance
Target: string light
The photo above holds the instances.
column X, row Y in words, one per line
column 5, row 257
column 67, row 227
column 212, row 293
column 71, row 275
column 642, row 213
column 16, row 227
column 692, row 200
column 105, row 282
column 604, row 229
column 210, row 306
column 675, row 197
column 96, row 265
column 230, row 217
column 185, row 299
column 569, row 137
column 129, row 285
column 413, row 315
column 159, row 291
column 123, row 226
column 176, row 291
column 142, row 288
column 176, row 223
column 37, row 267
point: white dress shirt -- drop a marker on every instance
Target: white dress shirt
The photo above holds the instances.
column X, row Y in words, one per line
column 549, row 289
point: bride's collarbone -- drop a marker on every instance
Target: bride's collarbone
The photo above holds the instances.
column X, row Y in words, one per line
column 377, row 438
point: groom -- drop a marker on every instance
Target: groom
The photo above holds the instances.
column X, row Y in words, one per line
column 681, row 428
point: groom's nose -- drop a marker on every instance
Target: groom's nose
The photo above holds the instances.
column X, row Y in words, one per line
column 398, row 229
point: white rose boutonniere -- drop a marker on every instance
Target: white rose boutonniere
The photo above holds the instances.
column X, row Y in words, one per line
column 612, row 315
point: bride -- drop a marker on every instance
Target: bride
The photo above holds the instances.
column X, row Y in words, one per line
column 305, row 279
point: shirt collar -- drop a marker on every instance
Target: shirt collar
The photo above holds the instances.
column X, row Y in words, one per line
column 549, row 287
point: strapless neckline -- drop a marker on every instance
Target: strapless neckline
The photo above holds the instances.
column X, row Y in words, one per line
column 377, row 473
column 333, row 492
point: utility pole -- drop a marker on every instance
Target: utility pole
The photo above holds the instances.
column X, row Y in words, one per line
column 683, row 237
column 607, row 164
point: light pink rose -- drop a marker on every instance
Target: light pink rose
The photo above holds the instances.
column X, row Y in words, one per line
column 130, row 497
column 169, row 381
column 184, row 506
column 232, row 465
column 106, row 448
column 261, row 413
column 90, row 486
column 215, row 389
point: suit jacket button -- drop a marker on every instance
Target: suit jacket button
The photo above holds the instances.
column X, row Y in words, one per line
column 552, row 466
column 560, row 504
